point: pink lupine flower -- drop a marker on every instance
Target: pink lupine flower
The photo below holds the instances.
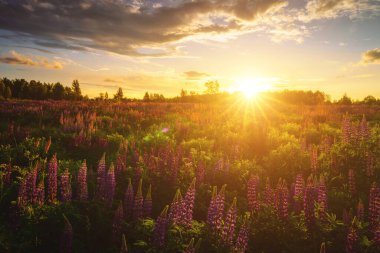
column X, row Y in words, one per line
column 147, row 206
column 101, row 179
column 188, row 206
column 252, row 189
column 138, row 203
column 229, row 224
column 52, row 180
column 159, row 231
column 82, row 192
column 65, row 187
column 352, row 240
column 128, row 200
column 322, row 198
column 241, row 244
column 299, row 188
column 110, row 186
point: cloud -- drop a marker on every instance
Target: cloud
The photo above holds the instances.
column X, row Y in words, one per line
column 36, row 61
column 123, row 27
column 371, row 56
column 194, row 75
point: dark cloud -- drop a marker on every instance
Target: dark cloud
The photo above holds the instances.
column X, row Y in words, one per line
column 194, row 75
column 122, row 26
column 371, row 56
column 19, row 59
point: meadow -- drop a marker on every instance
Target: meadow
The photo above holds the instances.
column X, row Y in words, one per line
column 237, row 176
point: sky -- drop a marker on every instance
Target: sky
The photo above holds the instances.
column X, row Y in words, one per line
column 163, row 46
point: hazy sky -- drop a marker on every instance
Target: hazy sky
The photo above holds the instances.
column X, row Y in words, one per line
column 163, row 46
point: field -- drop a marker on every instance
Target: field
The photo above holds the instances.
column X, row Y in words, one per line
column 254, row 176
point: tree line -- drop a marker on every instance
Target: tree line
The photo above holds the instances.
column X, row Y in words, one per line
column 23, row 89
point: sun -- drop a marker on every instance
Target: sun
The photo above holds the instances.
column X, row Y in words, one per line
column 251, row 88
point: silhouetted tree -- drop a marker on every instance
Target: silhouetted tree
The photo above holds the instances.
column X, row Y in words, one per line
column 119, row 94
column 58, row 91
column 146, row 97
column 76, row 89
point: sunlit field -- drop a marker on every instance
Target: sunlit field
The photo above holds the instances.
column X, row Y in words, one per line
column 251, row 172
column 190, row 126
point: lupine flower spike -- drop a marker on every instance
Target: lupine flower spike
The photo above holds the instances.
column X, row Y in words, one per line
column 147, row 207
column 82, row 192
column 128, row 200
column 159, row 231
column 138, row 203
column 229, row 224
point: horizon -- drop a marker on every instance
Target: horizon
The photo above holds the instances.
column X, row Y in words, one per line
column 166, row 46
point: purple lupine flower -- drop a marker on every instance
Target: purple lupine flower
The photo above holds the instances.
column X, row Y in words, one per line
column 30, row 184
column 219, row 206
column 282, row 196
column 110, row 186
column 188, row 206
column 117, row 222
column 82, row 192
column 39, row 198
column 138, row 203
column 308, row 202
column 120, row 165
column 124, row 247
column 241, row 243
column 352, row 240
column 346, row 129
column 160, row 227
column 376, row 237
column 65, row 187
column 365, row 131
column 360, row 210
column 322, row 199
column 52, row 179
column 268, row 194
column 211, row 212
column 370, row 164
column 351, row 181
column 175, row 210
column 22, row 198
column 314, row 159
column 147, row 206
column 128, row 200
column 66, row 244
column 374, row 205
column 101, row 178
column 298, row 193
column 229, row 224
column 252, row 189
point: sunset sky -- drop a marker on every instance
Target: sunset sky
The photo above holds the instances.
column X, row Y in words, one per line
column 169, row 45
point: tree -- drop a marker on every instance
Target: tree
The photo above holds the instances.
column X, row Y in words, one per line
column 119, row 94
column 212, row 87
column 369, row 100
column 345, row 100
column 7, row 92
column 146, row 97
column 183, row 93
column 106, row 96
column 76, row 89
column 58, row 91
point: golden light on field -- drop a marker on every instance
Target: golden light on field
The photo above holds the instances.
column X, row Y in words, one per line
column 251, row 88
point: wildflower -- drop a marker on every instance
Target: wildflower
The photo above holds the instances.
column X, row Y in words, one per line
column 352, row 240
column 229, row 224
column 52, row 179
column 322, row 198
column 110, row 186
column 101, row 179
column 252, row 189
column 82, row 192
column 188, row 205
column 65, row 187
column 242, row 238
column 351, row 181
column 138, row 203
column 147, row 206
column 128, row 200
column 160, row 227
